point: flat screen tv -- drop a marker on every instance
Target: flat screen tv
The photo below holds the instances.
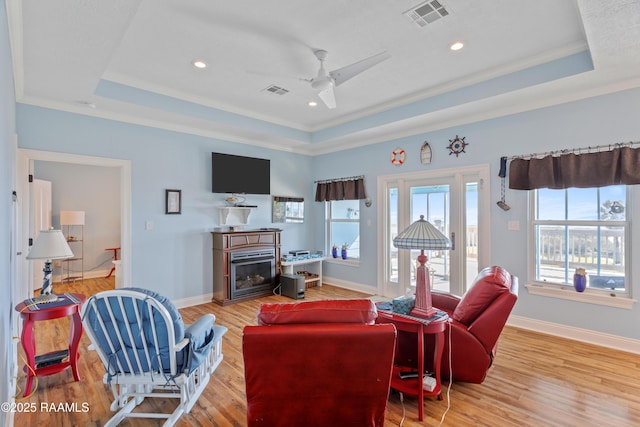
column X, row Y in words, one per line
column 239, row 174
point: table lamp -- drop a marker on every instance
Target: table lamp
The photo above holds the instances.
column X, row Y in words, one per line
column 422, row 235
column 49, row 245
column 71, row 217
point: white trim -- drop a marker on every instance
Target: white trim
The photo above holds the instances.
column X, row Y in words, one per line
column 266, row 141
column 191, row 301
column 25, row 156
column 16, row 38
column 350, row 262
column 208, row 102
column 577, row 334
column 345, row 284
column 568, row 293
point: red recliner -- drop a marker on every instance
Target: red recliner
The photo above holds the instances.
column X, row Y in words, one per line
column 477, row 319
column 318, row 363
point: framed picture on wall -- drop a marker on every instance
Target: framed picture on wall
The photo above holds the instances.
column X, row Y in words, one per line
column 173, row 202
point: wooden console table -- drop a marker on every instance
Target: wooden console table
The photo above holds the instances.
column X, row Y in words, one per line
column 413, row 386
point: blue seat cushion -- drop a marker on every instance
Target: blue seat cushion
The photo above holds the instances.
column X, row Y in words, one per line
column 139, row 328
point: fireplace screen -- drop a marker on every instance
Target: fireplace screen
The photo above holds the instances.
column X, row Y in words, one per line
column 252, row 271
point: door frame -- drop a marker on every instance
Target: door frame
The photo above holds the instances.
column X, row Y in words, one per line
column 484, row 212
column 25, row 161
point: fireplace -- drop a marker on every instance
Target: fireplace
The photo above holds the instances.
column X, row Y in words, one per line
column 246, row 264
column 252, row 272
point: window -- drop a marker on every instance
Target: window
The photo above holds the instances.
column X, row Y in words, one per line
column 343, row 226
column 582, row 228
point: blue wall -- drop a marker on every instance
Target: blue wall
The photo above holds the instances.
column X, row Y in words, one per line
column 601, row 120
column 175, row 257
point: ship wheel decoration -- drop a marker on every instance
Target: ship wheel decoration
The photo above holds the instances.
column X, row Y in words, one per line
column 457, row 145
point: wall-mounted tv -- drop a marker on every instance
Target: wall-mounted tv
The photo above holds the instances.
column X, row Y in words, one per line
column 239, row 174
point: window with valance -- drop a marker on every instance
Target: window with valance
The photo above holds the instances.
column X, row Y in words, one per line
column 580, row 215
column 340, row 189
column 587, row 170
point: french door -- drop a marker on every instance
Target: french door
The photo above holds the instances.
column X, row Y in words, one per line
column 457, row 203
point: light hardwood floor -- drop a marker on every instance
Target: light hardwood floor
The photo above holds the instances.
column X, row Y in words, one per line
column 536, row 380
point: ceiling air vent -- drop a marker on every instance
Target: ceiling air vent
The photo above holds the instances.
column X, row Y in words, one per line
column 427, row 12
column 276, row 89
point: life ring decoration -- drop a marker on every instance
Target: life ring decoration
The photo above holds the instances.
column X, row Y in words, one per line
column 457, row 145
column 398, row 156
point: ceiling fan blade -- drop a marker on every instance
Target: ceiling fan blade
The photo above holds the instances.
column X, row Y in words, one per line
column 328, row 97
column 343, row 74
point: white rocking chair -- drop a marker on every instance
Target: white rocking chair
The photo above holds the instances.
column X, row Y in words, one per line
column 147, row 352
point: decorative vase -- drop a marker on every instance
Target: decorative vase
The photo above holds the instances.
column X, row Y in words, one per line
column 334, row 252
column 580, row 280
column 344, row 253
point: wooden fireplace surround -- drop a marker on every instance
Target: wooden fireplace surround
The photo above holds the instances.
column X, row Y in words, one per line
column 227, row 242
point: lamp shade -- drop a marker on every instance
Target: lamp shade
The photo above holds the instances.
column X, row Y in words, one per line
column 50, row 244
column 421, row 235
column 71, row 217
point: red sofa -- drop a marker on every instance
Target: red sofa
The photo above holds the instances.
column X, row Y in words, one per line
column 318, row 363
column 471, row 337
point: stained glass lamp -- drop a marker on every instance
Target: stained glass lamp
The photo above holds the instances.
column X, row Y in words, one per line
column 424, row 236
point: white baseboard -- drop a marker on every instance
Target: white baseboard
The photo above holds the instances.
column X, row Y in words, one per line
column 577, row 334
column 197, row 300
column 96, row 273
column 93, row 274
column 349, row 285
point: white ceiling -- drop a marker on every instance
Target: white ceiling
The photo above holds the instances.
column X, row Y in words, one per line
column 131, row 60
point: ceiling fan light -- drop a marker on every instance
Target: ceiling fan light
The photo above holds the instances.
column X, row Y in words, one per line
column 321, row 83
column 312, row 104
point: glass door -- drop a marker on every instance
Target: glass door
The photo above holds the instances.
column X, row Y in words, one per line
column 452, row 203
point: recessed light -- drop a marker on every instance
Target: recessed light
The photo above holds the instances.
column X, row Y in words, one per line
column 313, row 103
column 199, row 64
column 456, row 46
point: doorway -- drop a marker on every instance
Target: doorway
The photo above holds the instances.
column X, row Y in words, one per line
column 456, row 201
column 26, row 159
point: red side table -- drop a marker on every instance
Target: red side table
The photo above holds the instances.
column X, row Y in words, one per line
column 31, row 314
column 414, row 386
column 115, row 258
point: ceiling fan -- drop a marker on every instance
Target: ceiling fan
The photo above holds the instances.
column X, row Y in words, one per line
column 325, row 82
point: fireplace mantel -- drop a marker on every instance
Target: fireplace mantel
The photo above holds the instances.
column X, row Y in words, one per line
column 229, row 242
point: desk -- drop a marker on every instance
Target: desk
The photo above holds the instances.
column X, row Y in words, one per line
column 70, row 306
column 413, row 386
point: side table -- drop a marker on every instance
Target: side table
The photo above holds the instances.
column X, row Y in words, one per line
column 413, row 386
column 115, row 258
column 51, row 363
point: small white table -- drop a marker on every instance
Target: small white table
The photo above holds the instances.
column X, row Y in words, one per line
column 313, row 264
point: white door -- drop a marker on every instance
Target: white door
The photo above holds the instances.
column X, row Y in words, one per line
column 42, row 220
column 455, row 201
